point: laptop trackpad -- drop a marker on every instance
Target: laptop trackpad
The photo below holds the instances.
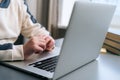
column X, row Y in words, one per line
column 38, row 57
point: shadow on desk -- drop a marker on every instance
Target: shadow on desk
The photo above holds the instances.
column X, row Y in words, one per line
column 7, row 73
column 88, row 72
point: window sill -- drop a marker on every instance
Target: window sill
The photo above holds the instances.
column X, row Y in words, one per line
column 115, row 30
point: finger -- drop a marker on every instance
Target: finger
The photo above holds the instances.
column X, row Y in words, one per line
column 42, row 44
column 50, row 46
column 47, row 40
column 38, row 49
column 41, row 41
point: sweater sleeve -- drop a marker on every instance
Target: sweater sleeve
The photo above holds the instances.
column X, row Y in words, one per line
column 10, row 52
column 30, row 27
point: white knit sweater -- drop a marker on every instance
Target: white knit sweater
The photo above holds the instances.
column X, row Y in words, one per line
column 15, row 18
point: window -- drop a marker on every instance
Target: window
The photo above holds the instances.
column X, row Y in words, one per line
column 67, row 6
column 65, row 13
column 66, row 10
column 116, row 18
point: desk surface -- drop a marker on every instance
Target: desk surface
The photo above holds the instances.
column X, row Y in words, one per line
column 106, row 67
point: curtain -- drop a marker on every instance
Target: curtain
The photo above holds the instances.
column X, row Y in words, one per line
column 53, row 17
column 39, row 9
column 46, row 12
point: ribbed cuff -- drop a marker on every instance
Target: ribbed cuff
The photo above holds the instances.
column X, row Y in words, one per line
column 18, row 53
column 6, row 55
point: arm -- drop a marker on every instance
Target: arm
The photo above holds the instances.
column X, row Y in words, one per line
column 10, row 52
column 40, row 39
column 30, row 27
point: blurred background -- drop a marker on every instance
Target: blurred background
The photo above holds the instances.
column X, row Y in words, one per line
column 55, row 14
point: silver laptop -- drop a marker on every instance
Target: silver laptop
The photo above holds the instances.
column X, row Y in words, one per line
column 82, row 43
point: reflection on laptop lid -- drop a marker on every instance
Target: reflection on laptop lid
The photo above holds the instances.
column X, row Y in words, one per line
column 84, row 38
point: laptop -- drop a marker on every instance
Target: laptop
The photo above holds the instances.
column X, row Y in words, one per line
column 82, row 43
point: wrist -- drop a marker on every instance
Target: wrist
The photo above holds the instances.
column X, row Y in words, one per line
column 27, row 52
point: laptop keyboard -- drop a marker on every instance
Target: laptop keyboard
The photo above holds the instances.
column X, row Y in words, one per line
column 47, row 64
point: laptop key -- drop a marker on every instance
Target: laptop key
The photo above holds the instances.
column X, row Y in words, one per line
column 48, row 64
